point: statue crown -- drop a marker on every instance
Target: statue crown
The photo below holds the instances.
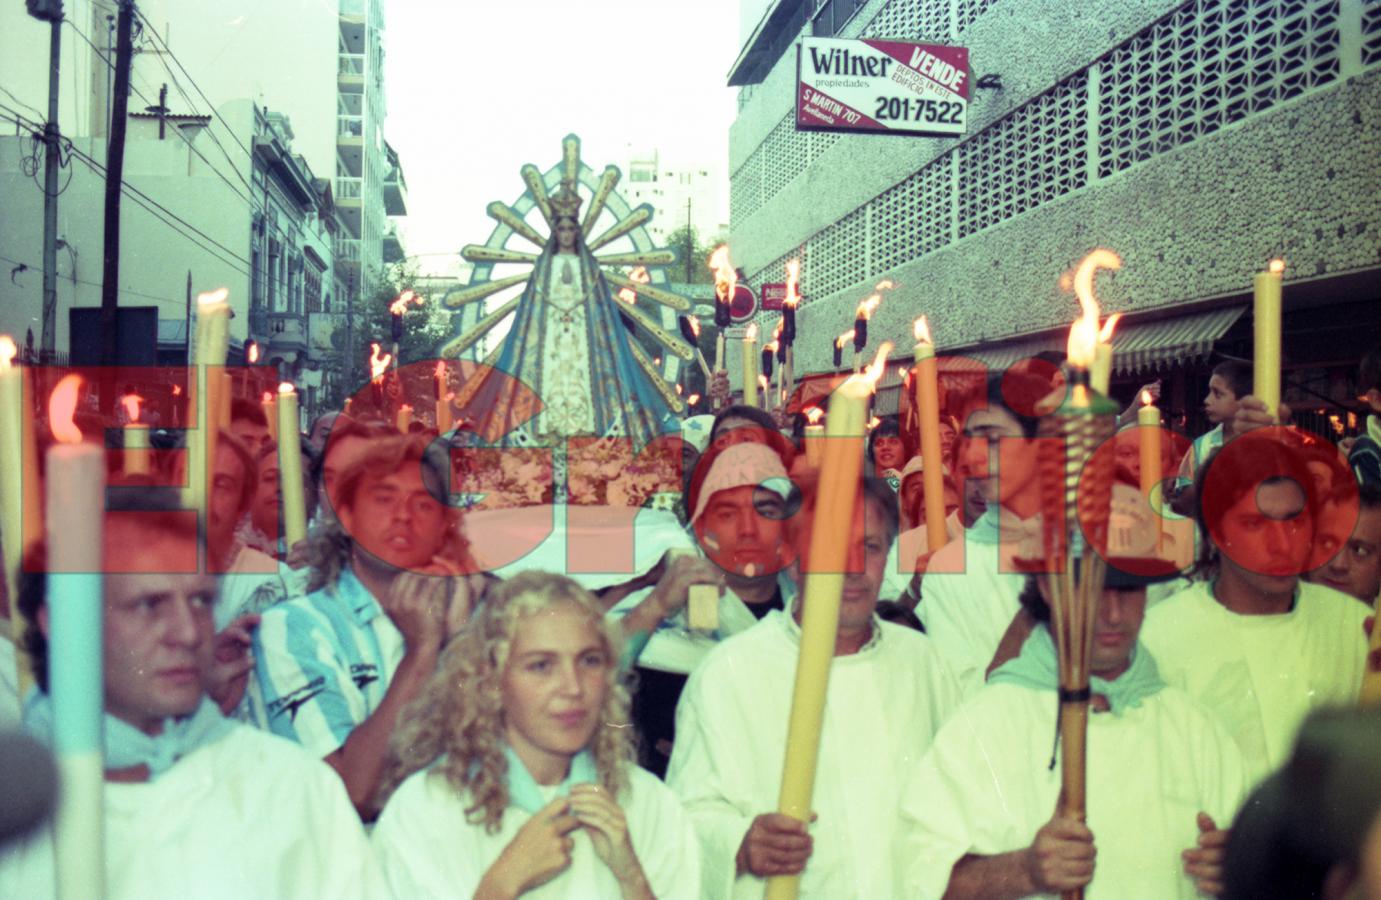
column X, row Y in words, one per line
column 565, row 202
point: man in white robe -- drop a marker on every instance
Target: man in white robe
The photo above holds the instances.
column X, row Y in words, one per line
column 888, row 693
column 1163, row 779
column 1255, row 644
column 195, row 805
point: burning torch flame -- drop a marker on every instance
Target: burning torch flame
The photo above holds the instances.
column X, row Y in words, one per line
column 61, row 407
column 131, row 404
column 865, row 308
column 8, row 351
column 378, row 363
column 770, row 346
column 439, row 373
column 844, row 338
column 724, row 275
column 874, row 422
column 212, row 298
column 678, row 390
column 177, row 390
column 628, row 295
column 1145, row 397
column 254, row 353
column 752, row 333
column 694, row 325
column 777, row 332
column 1105, row 333
column 405, row 299
column 693, row 399
column 762, row 383
column 814, row 415
column 1083, row 334
column 285, row 387
column 793, row 281
column 1277, row 266
column 921, row 329
column 873, row 373
column 1337, row 423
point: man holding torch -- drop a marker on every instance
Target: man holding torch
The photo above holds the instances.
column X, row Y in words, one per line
column 887, row 695
column 1163, row 776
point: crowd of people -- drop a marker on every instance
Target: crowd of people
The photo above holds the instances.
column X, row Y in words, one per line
column 378, row 711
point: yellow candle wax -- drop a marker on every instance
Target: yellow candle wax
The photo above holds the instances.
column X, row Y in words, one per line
column 270, row 408
column 137, row 460
column 11, row 462
column 928, row 409
column 444, row 422
column 1148, row 418
column 815, row 445
column 1266, row 328
column 290, row 467
column 213, row 336
column 404, row 418
column 824, row 584
column 750, row 366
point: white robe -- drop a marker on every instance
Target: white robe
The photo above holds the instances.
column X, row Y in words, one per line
column 1261, row 675
column 884, row 705
column 967, row 602
column 427, row 849
column 249, row 815
column 986, row 788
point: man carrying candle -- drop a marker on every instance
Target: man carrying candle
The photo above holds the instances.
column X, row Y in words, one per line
column 1253, row 643
column 1163, row 777
column 969, row 588
column 195, row 805
column 888, row 693
column 334, row 668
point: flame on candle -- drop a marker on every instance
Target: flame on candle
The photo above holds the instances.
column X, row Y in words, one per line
column 903, row 372
column 439, row 373
column 751, row 334
column 177, row 390
column 770, row 346
column 844, row 338
column 254, row 352
column 694, row 325
column 1083, row 334
column 211, row 299
column 873, row 373
column 814, row 415
column 793, row 283
column 1145, row 397
column 762, row 382
column 131, row 404
column 724, row 275
column 874, row 422
column 693, row 399
column 921, row 329
column 378, row 362
column 8, row 351
column 1276, row 267
column 62, row 406
column 1105, row 333
column 1352, row 420
column 1337, row 423
column 629, row 295
column 267, row 398
column 405, row 299
column 285, row 387
column 678, row 390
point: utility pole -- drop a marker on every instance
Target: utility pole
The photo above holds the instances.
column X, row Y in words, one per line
column 690, row 241
column 50, row 11
column 115, row 168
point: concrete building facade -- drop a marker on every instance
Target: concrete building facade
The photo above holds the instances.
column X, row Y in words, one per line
column 1198, row 139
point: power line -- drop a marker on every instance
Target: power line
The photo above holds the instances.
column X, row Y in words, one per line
column 247, row 199
column 178, row 303
column 235, row 261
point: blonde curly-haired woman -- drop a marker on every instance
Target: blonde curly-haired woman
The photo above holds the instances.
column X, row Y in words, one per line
column 513, row 775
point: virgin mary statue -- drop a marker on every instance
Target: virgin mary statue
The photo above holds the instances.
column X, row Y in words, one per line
column 570, row 365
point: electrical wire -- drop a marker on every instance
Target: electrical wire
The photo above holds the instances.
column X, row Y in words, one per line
column 179, row 303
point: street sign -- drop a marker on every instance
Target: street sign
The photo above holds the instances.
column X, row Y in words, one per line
column 875, row 85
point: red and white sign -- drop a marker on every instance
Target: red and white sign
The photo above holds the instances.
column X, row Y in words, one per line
column 744, row 306
column 773, row 295
column 868, row 84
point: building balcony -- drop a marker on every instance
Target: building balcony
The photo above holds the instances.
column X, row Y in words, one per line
column 392, row 246
column 347, row 253
column 287, row 332
column 351, row 72
column 395, row 193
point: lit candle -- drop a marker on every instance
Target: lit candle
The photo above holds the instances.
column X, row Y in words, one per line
column 1148, row 418
column 75, row 506
column 290, row 467
column 831, row 529
column 12, row 448
column 404, row 418
column 815, row 437
column 750, row 365
column 725, row 283
column 1100, row 376
column 839, row 343
column 1266, row 329
column 136, row 438
column 928, row 409
column 213, row 336
column 266, row 403
column 378, row 367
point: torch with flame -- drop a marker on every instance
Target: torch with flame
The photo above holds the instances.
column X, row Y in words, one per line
column 629, row 295
column 378, row 367
column 396, row 310
column 1084, row 334
column 839, row 343
column 792, row 300
column 725, row 280
column 690, row 330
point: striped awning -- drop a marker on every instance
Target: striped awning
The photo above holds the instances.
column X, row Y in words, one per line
column 1137, row 346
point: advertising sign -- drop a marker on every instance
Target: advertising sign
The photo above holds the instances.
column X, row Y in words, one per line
column 773, row 295
column 875, row 85
column 744, row 306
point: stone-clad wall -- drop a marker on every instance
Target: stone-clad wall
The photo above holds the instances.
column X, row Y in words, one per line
column 1200, row 165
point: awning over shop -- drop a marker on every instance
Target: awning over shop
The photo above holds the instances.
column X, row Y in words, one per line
column 1137, row 346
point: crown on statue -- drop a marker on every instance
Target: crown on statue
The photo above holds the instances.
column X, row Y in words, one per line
column 565, row 202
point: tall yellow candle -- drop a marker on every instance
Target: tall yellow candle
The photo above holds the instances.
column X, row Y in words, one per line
column 404, row 421
column 1148, row 418
column 750, row 365
column 213, row 336
column 270, row 409
column 815, row 438
column 11, row 463
column 928, row 410
column 135, row 441
column 840, row 479
column 1266, row 328
column 290, row 467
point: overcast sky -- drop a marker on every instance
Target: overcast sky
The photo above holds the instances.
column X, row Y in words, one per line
column 477, row 89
